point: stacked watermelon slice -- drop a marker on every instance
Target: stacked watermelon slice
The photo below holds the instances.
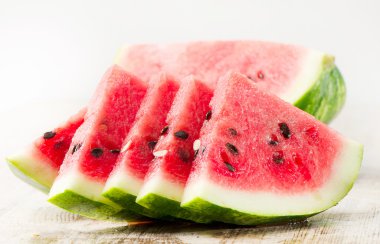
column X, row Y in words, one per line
column 202, row 131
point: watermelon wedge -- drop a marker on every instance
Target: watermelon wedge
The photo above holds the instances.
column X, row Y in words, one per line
column 38, row 165
column 262, row 160
column 135, row 158
column 166, row 178
column 96, row 145
column 306, row 78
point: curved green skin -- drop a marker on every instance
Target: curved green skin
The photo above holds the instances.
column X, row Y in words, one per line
column 326, row 97
column 128, row 201
column 231, row 216
column 170, row 207
column 75, row 203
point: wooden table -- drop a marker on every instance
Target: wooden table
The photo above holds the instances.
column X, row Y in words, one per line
column 26, row 217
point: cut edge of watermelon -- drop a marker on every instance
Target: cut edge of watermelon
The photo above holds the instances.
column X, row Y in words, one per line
column 121, row 189
column 33, row 168
column 77, row 194
column 167, row 198
column 325, row 94
column 246, row 208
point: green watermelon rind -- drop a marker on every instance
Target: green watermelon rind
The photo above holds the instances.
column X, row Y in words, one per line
column 170, row 207
column 128, row 201
column 232, row 216
column 326, row 97
column 78, row 204
column 33, row 170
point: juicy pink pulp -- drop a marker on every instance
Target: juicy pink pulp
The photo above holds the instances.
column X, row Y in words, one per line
column 96, row 144
column 272, row 66
column 150, row 121
column 187, row 115
column 247, row 145
column 54, row 147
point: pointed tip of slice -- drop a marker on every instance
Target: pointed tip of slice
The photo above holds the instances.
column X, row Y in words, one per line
column 33, row 169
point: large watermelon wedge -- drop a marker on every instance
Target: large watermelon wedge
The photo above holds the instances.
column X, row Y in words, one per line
column 136, row 155
column 306, row 78
column 262, row 160
column 38, row 164
column 167, row 175
column 96, row 145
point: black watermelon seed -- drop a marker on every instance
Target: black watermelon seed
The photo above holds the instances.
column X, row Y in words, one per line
column 232, row 131
column 49, row 134
column 260, row 75
column 285, row 131
column 76, row 148
column 184, row 155
column 196, row 153
column 152, row 144
column 232, row 148
column 58, row 145
column 273, row 140
column 278, row 157
column 115, row 151
column 181, row 134
column 97, row 152
column 229, row 167
column 208, row 115
column 203, row 150
column 164, row 130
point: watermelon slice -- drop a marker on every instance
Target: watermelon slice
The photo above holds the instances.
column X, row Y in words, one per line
column 166, row 178
column 38, row 165
column 96, row 145
column 128, row 176
column 262, row 160
column 306, row 78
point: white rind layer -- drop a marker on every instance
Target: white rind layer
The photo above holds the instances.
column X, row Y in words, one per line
column 80, row 184
column 159, row 185
column 312, row 67
column 124, row 181
column 31, row 167
column 344, row 172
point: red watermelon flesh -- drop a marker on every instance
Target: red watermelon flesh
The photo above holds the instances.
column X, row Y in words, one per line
column 174, row 152
column 273, row 66
column 262, row 159
column 97, row 142
column 41, row 161
column 137, row 152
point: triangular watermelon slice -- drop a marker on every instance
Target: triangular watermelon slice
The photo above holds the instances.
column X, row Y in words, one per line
column 304, row 77
column 166, row 178
column 96, row 145
column 262, row 160
column 135, row 158
column 38, row 165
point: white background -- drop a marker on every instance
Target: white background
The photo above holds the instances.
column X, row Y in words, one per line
column 53, row 53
